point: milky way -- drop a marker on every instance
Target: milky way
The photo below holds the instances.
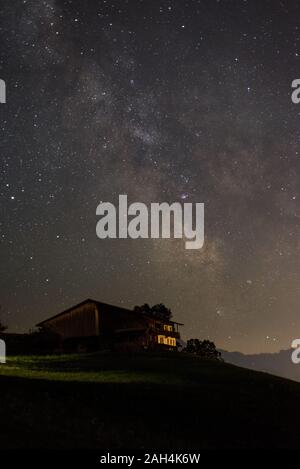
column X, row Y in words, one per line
column 163, row 101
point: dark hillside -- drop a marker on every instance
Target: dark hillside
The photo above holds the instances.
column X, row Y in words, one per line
column 147, row 401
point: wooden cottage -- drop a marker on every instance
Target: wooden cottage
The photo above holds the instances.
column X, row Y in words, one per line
column 92, row 325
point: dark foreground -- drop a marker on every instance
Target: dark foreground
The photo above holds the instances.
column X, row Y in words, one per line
column 146, row 401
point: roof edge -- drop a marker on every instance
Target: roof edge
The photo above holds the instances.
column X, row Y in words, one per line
column 90, row 300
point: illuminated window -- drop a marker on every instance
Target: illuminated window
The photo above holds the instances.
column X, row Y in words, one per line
column 162, row 339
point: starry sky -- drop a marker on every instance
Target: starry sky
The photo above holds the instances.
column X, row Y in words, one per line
column 168, row 101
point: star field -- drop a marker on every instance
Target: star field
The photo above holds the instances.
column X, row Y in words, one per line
column 163, row 101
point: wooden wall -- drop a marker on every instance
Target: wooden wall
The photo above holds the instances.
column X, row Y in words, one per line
column 81, row 321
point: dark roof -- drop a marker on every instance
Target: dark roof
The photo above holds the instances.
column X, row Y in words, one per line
column 88, row 300
column 98, row 303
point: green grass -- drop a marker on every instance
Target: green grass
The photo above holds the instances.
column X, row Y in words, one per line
column 143, row 401
column 94, row 368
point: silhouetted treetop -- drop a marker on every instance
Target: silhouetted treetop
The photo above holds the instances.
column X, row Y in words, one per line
column 159, row 311
column 203, row 348
column 2, row 326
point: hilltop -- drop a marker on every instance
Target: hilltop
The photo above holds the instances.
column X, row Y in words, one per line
column 168, row 400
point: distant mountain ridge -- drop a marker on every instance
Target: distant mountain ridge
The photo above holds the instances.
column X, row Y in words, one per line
column 279, row 363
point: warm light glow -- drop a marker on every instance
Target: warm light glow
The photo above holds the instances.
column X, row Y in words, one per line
column 162, row 339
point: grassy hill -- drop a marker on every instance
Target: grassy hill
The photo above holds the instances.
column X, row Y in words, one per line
column 145, row 401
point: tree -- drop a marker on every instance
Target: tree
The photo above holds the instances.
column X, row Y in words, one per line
column 158, row 311
column 203, row 348
column 2, row 326
column 144, row 309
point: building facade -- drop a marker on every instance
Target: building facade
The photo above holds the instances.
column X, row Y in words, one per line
column 92, row 325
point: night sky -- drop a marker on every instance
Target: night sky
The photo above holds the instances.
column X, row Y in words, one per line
column 164, row 101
